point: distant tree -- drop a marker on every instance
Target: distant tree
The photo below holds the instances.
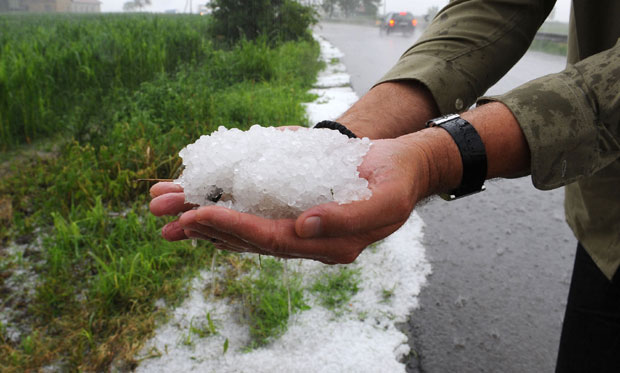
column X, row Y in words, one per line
column 129, row 6
column 329, row 6
column 278, row 20
column 431, row 12
column 134, row 5
column 371, row 7
column 348, row 6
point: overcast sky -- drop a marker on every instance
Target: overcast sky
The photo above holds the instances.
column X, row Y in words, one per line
column 414, row 6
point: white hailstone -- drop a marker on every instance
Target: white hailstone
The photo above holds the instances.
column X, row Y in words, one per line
column 272, row 172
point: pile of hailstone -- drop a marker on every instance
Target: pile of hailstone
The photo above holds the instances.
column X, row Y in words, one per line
column 273, row 173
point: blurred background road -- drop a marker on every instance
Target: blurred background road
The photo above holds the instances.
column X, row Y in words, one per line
column 501, row 259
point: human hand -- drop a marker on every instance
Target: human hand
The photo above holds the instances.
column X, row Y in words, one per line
column 330, row 233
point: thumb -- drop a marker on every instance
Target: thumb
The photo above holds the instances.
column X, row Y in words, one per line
column 385, row 207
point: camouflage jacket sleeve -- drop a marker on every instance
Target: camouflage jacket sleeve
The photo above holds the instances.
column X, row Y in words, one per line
column 571, row 119
column 468, row 47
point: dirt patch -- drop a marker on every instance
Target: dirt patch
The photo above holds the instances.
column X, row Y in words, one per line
column 6, row 209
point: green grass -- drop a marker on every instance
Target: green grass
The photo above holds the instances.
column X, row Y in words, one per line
column 105, row 100
column 200, row 329
column 555, row 27
column 269, row 296
column 334, row 290
column 54, row 69
column 550, row 47
column 96, row 287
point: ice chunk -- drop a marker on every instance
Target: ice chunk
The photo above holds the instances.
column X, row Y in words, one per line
column 272, row 172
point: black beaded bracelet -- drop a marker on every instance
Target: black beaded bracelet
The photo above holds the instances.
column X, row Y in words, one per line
column 336, row 126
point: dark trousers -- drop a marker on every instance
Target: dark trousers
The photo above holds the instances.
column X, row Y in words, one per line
column 590, row 339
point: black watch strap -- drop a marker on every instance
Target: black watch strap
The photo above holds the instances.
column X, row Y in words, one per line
column 473, row 154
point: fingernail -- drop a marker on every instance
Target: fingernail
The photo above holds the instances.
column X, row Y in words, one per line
column 165, row 231
column 311, row 227
column 173, row 232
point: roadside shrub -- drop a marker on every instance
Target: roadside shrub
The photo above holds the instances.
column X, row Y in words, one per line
column 278, row 20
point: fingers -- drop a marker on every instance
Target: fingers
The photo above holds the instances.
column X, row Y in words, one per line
column 386, row 207
column 169, row 204
column 165, row 187
column 173, row 231
column 218, row 244
column 190, row 225
column 222, row 240
column 277, row 237
column 245, row 232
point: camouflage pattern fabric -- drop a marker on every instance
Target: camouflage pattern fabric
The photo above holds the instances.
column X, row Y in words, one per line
column 571, row 119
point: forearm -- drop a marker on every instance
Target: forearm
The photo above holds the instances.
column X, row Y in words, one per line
column 390, row 110
column 506, row 148
column 468, row 47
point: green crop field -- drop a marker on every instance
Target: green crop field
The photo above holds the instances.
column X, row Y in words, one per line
column 55, row 69
column 88, row 105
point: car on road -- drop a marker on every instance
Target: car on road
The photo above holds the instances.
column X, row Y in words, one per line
column 403, row 22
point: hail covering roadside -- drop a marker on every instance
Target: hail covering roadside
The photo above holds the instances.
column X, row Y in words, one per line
column 362, row 338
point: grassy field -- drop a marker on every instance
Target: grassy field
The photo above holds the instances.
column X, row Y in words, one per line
column 54, row 70
column 555, row 27
column 89, row 104
column 560, row 49
column 548, row 46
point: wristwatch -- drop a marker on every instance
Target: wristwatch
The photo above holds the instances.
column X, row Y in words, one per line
column 473, row 155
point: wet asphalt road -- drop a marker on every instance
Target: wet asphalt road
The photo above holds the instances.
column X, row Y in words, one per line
column 501, row 259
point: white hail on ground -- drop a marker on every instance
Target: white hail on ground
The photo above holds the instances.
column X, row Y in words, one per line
column 364, row 338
